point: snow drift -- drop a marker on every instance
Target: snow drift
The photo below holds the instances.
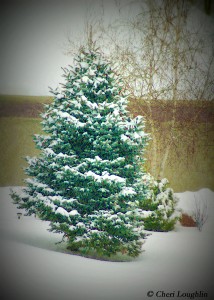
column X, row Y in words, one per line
column 34, row 267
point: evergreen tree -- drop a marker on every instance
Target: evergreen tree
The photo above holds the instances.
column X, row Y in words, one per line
column 87, row 179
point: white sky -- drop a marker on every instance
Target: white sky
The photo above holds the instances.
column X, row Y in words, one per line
column 33, row 37
column 33, row 43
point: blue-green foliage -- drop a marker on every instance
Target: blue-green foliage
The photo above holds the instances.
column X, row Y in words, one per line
column 87, row 179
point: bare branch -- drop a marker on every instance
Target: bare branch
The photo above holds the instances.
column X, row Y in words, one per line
column 200, row 213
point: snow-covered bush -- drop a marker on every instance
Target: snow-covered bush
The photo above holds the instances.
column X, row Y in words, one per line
column 159, row 207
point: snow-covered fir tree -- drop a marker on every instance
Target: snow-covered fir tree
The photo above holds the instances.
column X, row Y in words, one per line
column 87, row 179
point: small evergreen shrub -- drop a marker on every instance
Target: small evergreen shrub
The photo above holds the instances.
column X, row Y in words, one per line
column 159, row 212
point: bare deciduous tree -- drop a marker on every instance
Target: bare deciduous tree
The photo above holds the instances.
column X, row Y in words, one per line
column 164, row 56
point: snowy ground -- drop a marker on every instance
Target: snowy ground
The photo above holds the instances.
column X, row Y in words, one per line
column 33, row 267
